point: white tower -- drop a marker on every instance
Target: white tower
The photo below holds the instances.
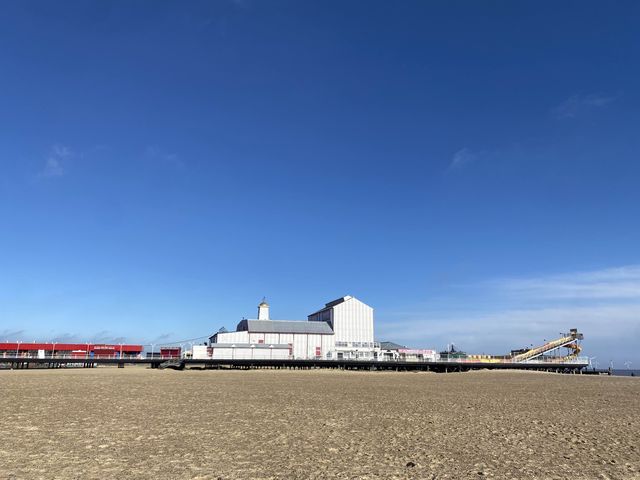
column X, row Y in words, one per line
column 263, row 310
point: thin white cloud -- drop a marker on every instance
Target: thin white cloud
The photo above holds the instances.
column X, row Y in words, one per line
column 54, row 163
column 158, row 153
column 61, row 151
column 104, row 336
column 163, row 337
column 526, row 323
column 579, row 104
column 52, row 168
column 610, row 283
column 461, row 158
column 604, row 304
column 11, row 335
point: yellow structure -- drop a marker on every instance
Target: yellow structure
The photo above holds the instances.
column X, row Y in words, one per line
column 569, row 341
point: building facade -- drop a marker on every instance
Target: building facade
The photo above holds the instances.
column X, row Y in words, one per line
column 352, row 324
column 69, row 350
column 342, row 329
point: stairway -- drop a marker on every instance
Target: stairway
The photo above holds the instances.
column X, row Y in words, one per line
column 174, row 363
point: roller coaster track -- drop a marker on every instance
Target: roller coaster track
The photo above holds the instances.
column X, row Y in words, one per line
column 569, row 341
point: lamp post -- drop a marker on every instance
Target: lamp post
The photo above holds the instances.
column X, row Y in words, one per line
column 18, row 349
column 152, row 345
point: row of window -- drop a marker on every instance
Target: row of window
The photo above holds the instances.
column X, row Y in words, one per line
column 358, row 344
column 350, row 355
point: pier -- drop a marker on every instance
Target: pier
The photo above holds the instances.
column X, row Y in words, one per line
column 295, row 364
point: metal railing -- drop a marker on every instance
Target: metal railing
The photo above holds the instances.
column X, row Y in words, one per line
column 576, row 360
column 386, row 359
column 66, row 356
column 538, row 360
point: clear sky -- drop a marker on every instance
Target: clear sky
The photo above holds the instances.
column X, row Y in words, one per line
column 469, row 169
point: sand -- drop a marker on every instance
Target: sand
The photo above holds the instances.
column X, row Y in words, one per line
column 140, row 423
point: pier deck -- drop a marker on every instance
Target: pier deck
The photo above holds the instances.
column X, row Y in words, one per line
column 438, row 366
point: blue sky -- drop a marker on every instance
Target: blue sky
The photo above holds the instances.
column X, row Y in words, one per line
column 470, row 169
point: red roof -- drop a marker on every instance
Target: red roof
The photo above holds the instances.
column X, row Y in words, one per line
column 70, row 347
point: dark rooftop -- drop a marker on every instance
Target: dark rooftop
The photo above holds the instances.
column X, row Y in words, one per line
column 285, row 326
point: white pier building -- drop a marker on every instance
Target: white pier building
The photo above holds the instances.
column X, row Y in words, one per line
column 343, row 329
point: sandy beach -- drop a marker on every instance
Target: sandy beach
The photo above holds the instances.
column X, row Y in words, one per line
column 140, row 423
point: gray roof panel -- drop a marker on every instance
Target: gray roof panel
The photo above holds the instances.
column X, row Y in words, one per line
column 328, row 306
column 285, row 326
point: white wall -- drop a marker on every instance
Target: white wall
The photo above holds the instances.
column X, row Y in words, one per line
column 247, row 353
column 305, row 345
column 233, row 337
column 328, row 345
column 199, row 352
column 353, row 321
column 311, row 346
column 263, row 312
column 274, row 338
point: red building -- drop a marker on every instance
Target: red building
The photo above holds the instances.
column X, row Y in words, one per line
column 166, row 352
column 72, row 350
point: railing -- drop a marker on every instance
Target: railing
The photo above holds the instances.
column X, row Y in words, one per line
column 65, row 356
column 488, row 361
column 577, row 360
